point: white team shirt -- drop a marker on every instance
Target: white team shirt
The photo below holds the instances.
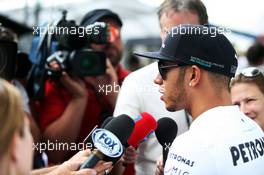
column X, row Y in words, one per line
column 221, row 141
column 139, row 94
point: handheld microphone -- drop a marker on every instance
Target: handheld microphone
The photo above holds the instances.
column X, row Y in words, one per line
column 106, row 121
column 109, row 141
column 144, row 125
column 166, row 132
column 88, row 139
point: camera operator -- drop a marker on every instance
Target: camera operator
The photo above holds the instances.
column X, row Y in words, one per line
column 73, row 106
column 113, row 50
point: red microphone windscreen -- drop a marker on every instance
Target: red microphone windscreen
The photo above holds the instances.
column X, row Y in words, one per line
column 144, row 125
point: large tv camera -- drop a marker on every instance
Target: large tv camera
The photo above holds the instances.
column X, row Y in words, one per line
column 70, row 46
column 14, row 64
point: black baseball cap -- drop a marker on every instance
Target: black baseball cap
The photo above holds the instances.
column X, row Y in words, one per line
column 198, row 45
column 97, row 15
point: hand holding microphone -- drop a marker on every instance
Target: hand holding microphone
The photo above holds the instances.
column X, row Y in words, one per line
column 159, row 166
column 119, row 131
column 109, row 141
column 145, row 124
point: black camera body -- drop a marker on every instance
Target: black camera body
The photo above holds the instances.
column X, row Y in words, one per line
column 82, row 63
column 70, row 48
column 13, row 63
column 8, row 55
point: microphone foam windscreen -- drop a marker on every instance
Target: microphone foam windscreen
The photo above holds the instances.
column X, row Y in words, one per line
column 166, row 131
column 106, row 121
column 143, row 127
column 121, row 126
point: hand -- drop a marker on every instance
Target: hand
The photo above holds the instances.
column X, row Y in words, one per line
column 71, row 167
column 110, row 70
column 100, row 167
column 81, row 156
column 53, row 65
column 103, row 168
column 75, row 86
column 130, row 155
column 159, row 166
column 107, row 82
column 110, row 78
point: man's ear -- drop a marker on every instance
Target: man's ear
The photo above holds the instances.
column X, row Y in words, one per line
column 194, row 76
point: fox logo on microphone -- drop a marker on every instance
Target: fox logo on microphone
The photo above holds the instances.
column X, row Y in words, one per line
column 107, row 143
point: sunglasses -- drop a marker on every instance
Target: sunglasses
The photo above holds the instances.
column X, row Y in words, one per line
column 251, row 72
column 164, row 68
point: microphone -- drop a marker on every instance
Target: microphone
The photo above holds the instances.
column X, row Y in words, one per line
column 144, row 125
column 164, row 137
column 88, row 139
column 106, row 121
column 109, row 141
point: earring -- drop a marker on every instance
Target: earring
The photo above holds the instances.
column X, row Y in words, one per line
column 190, row 84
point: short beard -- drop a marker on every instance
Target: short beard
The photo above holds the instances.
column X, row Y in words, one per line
column 180, row 98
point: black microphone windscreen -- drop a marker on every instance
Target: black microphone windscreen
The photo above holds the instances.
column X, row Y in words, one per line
column 166, row 131
column 121, row 126
column 106, row 121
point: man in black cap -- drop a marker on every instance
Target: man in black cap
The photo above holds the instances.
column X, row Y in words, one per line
column 114, row 48
column 195, row 69
column 134, row 99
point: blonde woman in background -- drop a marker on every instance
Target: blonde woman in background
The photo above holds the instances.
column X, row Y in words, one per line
column 247, row 91
column 16, row 141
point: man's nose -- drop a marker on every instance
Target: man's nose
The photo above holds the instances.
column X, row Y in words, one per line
column 158, row 80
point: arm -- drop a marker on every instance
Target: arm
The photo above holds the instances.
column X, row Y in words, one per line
column 66, row 128
column 43, row 170
column 159, row 166
column 127, row 159
column 71, row 167
column 113, row 81
column 105, row 84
